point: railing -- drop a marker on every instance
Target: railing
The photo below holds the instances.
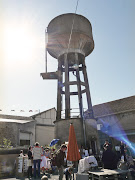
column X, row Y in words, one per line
column 74, row 113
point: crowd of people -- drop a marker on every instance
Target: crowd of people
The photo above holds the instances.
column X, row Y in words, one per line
column 112, row 157
column 43, row 159
column 120, row 158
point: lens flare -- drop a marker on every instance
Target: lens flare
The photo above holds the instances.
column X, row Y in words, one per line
column 115, row 130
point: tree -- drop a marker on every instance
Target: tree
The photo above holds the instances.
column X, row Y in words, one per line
column 6, row 142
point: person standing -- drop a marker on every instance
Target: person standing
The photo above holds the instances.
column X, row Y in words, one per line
column 43, row 160
column 21, row 153
column 122, row 153
column 37, row 151
column 60, row 160
column 30, row 157
column 109, row 158
column 107, row 144
column 86, row 152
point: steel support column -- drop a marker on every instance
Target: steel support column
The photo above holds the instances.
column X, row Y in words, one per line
column 59, row 95
column 67, row 90
column 79, row 86
column 87, row 90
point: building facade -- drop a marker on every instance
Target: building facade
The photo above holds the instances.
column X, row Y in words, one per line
column 116, row 121
column 19, row 130
column 27, row 130
column 44, row 132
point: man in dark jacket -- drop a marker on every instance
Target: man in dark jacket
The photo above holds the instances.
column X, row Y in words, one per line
column 60, row 160
column 109, row 159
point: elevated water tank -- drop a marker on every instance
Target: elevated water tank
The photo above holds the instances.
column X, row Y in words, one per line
column 59, row 30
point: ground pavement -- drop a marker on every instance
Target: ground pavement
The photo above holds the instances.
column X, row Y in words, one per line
column 55, row 177
column 52, row 177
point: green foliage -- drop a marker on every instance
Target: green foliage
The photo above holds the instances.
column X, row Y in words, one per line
column 6, row 142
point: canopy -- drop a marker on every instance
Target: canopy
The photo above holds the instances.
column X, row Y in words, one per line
column 53, row 142
column 72, row 150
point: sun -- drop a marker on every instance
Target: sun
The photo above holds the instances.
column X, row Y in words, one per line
column 19, row 43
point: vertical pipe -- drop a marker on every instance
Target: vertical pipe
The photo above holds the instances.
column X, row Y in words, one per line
column 87, row 90
column 59, row 95
column 67, row 93
column 46, row 50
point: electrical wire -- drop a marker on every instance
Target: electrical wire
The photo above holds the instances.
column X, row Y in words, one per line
column 72, row 26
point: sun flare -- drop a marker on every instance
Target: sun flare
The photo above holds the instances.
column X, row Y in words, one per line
column 19, row 43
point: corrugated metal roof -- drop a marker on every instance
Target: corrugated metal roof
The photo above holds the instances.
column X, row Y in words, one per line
column 15, row 120
column 3, row 116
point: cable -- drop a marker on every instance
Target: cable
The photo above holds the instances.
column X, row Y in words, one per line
column 72, row 26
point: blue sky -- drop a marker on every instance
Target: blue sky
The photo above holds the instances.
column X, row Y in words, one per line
column 110, row 67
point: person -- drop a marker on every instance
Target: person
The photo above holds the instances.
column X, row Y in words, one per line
column 118, row 153
column 60, row 160
column 47, row 157
column 82, row 152
column 44, row 178
column 107, row 144
column 53, row 162
column 86, row 152
column 47, row 153
column 30, row 157
column 68, row 171
column 109, row 158
column 21, row 153
column 122, row 152
column 129, row 161
column 43, row 160
column 37, row 151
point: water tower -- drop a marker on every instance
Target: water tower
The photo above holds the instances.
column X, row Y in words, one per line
column 70, row 40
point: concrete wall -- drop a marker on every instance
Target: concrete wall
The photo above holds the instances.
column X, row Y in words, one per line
column 45, row 126
column 8, row 162
column 7, row 165
column 46, row 118
column 29, row 129
column 127, row 120
column 120, row 123
column 62, row 130
column 9, row 131
column 92, row 134
column 44, row 134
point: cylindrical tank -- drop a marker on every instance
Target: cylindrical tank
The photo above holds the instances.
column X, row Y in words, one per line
column 59, row 30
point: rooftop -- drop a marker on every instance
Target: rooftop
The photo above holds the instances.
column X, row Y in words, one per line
column 4, row 116
column 15, row 120
column 115, row 107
